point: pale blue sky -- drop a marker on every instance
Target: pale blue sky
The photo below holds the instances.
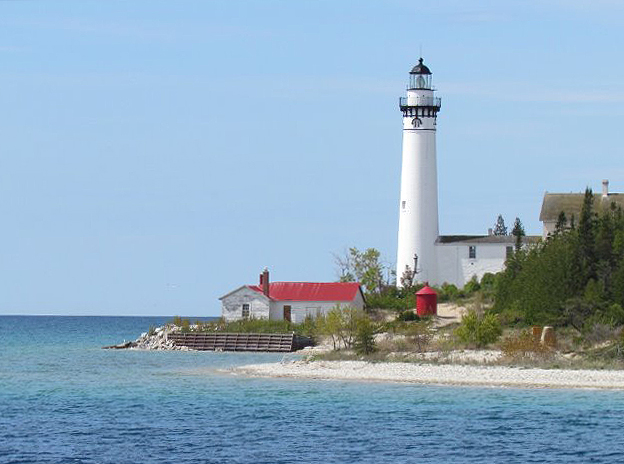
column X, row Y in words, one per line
column 157, row 154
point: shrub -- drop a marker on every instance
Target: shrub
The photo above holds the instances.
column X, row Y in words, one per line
column 612, row 315
column 448, row 292
column 391, row 297
column 343, row 324
column 407, row 316
column 419, row 334
column 364, row 337
column 597, row 333
column 472, row 286
column 479, row 330
column 523, row 345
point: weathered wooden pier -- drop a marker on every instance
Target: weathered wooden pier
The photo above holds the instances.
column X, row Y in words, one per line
column 223, row 341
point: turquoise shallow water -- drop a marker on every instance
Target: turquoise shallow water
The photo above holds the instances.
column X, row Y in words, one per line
column 65, row 400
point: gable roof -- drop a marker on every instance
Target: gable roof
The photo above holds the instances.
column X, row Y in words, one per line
column 311, row 291
column 571, row 204
column 491, row 239
column 246, row 287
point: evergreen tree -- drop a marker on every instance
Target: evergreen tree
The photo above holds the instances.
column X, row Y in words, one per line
column 561, row 224
column 518, row 232
column 500, row 228
column 576, row 277
column 586, row 235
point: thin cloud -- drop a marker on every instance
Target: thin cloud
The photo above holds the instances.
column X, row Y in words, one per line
column 514, row 91
column 10, row 49
column 480, row 17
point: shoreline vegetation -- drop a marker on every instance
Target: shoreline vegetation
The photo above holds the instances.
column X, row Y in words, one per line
column 421, row 351
column 572, row 282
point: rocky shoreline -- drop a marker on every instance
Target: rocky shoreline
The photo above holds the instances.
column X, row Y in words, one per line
column 448, row 374
column 153, row 340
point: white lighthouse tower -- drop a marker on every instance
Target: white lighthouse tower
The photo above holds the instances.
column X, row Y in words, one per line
column 418, row 205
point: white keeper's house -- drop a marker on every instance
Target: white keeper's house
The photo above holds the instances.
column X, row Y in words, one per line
column 290, row 301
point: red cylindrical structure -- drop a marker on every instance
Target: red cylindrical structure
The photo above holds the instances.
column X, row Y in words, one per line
column 426, row 301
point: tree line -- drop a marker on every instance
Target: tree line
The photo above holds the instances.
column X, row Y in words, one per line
column 573, row 277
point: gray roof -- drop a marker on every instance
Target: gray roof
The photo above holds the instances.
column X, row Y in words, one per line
column 492, row 239
column 571, row 204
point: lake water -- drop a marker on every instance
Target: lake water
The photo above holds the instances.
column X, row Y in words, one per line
column 65, row 400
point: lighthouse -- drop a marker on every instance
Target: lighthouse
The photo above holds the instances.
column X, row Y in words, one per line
column 418, row 203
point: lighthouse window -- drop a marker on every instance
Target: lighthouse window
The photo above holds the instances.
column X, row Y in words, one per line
column 403, row 204
column 472, row 252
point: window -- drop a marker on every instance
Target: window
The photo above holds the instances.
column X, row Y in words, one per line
column 246, row 311
column 509, row 252
column 403, row 204
column 472, row 252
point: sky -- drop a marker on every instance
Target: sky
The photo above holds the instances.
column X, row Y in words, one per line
column 155, row 155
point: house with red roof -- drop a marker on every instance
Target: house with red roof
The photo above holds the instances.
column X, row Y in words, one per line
column 291, row 301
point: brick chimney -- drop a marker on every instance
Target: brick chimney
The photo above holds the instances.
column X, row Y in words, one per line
column 264, row 281
column 605, row 188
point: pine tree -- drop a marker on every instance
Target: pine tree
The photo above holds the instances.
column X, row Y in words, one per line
column 500, row 228
column 518, row 232
column 586, row 234
column 562, row 222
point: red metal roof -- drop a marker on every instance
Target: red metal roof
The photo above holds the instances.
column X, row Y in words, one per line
column 311, row 291
column 426, row 290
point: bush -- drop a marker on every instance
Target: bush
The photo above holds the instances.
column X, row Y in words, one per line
column 597, row 333
column 523, row 345
column 364, row 343
column 391, row 297
column 419, row 334
column 448, row 292
column 472, row 286
column 407, row 316
column 488, row 284
column 479, row 330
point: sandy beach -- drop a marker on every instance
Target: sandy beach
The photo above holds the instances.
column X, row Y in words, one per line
column 495, row 376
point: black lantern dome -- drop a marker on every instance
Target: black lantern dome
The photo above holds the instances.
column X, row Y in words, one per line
column 420, row 68
column 420, row 77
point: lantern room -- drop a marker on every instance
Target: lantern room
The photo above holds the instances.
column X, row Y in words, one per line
column 420, row 77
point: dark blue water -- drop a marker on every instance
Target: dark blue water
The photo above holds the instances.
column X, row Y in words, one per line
column 65, row 400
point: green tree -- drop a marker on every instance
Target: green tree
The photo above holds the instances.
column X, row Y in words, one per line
column 368, row 268
column 341, row 325
column 331, row 326
column 500, row 228
column 364, row 342
column 518, row 232
column 586, row 237
column 562, row 223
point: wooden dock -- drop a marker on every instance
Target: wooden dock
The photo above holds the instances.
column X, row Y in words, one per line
column 223, row 341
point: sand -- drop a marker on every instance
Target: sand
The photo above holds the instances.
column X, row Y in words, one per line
column 448, row 374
